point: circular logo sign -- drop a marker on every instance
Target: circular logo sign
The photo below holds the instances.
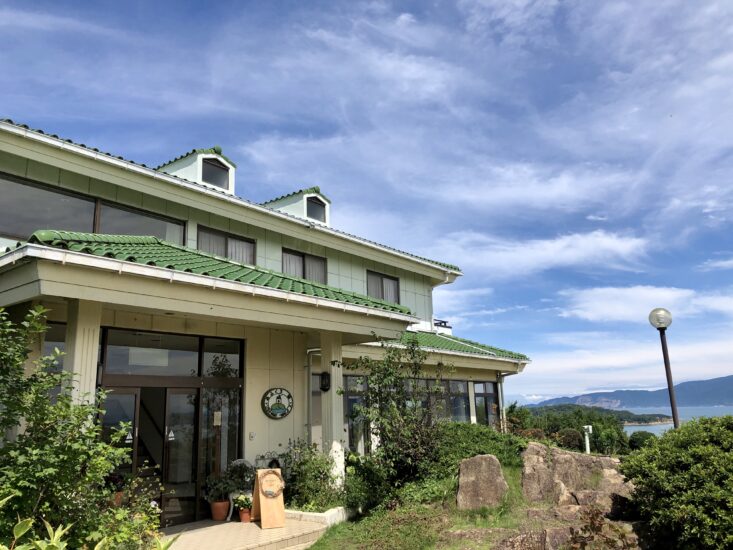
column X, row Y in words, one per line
column 277, row 403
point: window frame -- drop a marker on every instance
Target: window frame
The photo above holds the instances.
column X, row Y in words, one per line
column 98, row 202
column 383, row 276
column 303, row 256
column 213, row 161
column 487, row 406
column 227, row 235
column 322, row 203
column 135, row 210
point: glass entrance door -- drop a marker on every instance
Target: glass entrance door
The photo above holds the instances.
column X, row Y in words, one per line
column 179, row 469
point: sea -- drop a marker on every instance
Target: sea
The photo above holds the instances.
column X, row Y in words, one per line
column 686, row 413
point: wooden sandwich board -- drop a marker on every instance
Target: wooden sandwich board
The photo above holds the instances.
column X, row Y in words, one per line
column 268, row 505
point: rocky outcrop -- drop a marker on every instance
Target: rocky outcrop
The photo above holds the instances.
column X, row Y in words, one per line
column 480, row 483
column 567, row 478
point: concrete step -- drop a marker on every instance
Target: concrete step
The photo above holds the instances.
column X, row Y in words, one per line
column 244, row 536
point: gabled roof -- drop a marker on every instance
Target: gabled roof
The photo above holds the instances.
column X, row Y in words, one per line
column 155, row 252
column 227, row 196
column 310, row 190
column 449, row 343
column 215, row 150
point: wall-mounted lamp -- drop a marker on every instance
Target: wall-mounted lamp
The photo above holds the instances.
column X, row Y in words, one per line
column 325, row 384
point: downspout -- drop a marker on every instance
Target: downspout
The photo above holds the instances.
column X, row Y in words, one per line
column 308, row 390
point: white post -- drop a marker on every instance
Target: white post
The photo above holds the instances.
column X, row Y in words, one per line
column 82, row 347
column 587, row 430
column 333, row 420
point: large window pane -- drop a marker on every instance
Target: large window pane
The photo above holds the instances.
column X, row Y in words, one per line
column 119, row 221
column 383, row 287
column 215, row 173
column 27, row 208
column 151, row 354
column 316, row 209
column 487, row 403
column 221, row 358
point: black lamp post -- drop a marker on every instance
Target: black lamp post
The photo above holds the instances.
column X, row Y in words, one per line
column 660, row 319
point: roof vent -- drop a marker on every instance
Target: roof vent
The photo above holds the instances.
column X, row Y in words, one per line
column 208, row 167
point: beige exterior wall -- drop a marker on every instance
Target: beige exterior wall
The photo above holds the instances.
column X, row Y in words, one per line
column 346, row 269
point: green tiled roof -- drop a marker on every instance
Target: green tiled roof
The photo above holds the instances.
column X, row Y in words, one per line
column 450, row 343
column 154, row 252
column 215, row 150
column 314, row 189
column 223, row 193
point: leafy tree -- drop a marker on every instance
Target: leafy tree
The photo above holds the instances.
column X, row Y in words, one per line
column 638, row 439
column 569, row 438
column 683, row 484
column 56, row 466
column 518, row 418
column 400, row 408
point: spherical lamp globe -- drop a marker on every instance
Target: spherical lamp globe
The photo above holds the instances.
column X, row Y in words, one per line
column 660, row 318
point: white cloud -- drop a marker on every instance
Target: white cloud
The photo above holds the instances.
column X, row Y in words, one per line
column 711, row 265
column 497, row 258
column 447, row 301
column 633, row 304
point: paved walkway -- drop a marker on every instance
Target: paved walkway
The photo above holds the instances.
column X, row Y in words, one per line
column 234, row 535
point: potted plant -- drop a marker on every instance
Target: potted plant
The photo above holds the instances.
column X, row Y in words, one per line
column 244, row 505
column 217, row 493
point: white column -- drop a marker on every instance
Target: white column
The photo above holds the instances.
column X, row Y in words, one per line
column 472, row 401
column 333, row 402
column 82, row 346
column 500, row 390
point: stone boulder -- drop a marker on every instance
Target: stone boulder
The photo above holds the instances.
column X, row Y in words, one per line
column 480, row 483
column 567, row 478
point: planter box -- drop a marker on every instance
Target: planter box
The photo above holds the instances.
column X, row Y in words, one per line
column 328, row 518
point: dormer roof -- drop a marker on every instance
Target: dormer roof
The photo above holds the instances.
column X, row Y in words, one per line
column 215, row 150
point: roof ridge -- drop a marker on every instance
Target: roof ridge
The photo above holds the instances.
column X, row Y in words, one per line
column 314, row 189
column 224, row 195
column 215, row 150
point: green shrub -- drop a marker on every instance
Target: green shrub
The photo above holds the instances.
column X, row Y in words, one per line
column 367, row 482
column 311, row 484
column 683, row 484
column 638, row 439
column 57, row 469
column 569, row 438
column 455, row 441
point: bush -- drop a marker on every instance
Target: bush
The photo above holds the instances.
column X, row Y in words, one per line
column 455, row 441
column 367, row 483
column 569, row 438
column 57, row 469
column 683, row 484
column 311, row 484
column 638, row 439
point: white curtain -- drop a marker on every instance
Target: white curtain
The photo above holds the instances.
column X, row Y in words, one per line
column 374, row 285
column 242, row 251
column 315, row 269
column 391, row 290
column 293, row 264
column 213, row 243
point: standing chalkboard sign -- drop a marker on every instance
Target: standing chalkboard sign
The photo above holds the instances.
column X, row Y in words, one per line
column 268, row 505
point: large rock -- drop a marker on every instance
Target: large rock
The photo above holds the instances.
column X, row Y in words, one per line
column 480, row 483
column 567, row 478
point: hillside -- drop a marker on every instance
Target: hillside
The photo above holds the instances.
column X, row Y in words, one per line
column 625, row 417
column 700, row 393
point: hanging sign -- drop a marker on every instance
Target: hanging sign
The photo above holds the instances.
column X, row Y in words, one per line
column 277, row 403
column 268, row 505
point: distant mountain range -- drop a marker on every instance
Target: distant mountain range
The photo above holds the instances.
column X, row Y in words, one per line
column 700, row 393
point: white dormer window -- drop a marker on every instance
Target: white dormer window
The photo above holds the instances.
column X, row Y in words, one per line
column 316, row 209
column 215, row 173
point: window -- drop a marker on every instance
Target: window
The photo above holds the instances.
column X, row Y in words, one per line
column 227, row 246
column 151, row 353
column 125, row 221
column 304, row 266
column 354, row 387
column 27, row 208
column 383, row 287
column 487, row 403
column 215, row 173
column 316, row 209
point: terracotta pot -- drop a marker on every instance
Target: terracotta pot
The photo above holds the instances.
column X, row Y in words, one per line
column 219, row 510
column 118, row 498
column 245, row 515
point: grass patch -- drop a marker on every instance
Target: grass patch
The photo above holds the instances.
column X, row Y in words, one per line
column 438, row 524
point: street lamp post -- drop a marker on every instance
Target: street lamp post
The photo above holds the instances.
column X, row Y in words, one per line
column 660, row 319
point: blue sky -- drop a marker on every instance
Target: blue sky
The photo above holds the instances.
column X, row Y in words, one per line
column 574, row 158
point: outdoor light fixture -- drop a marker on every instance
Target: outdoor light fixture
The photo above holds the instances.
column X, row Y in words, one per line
column 660, row 319
column 325, row 382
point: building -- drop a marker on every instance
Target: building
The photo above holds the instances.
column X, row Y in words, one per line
column 213, row 320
